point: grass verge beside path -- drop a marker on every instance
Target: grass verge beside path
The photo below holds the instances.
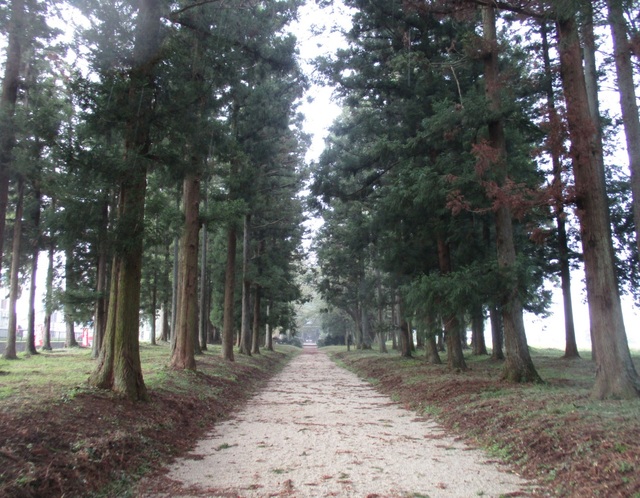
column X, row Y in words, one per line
column 59, row 437
column 551, row 433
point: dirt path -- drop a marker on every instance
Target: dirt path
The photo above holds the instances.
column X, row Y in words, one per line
column 318, row 430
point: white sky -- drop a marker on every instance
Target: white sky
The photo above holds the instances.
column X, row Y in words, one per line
column 319, row 33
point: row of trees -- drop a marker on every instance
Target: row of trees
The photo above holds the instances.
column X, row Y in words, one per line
column 136, row 152
column 468, row 162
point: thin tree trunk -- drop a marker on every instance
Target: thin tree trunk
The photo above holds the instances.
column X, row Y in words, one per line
column 10, row 83
column 245, row 327
column 31, row 326
column 70, row 285
column 154, row 304
column 204, row 286
column 175, row 288
column 165, row 330
column 518, row 365
column 455, row 356
column 431, row 348
column 48, row 299
column 382, row 343
column 10, row 352
column 101, row 281
column 616, row 376
column 255, row 335
column 229, row 295
column 497, row 333
column 405, row 344
column 187, row 319
column 628, row 102
column 571, row 347
column 477, row 331
column 268, row 340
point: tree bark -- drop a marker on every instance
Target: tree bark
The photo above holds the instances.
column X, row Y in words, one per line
column 628, row 102
column 431, row 348
column 229, row 295
column 10, row 352
column 121, row 371
column 154, row 304
column 518, row 365
column 268, row 340
column 245, row 328
column 405, row 343
column 70, row 285
column 100, row 321
column 204, row 285
column 30, row 346
column 182, row 356
column 616, row 376
column 571, row 346
column 10, row 83
column 497, row 334
column 477, row 331
column 255, row 335
column 455, row 356
column 48, row 299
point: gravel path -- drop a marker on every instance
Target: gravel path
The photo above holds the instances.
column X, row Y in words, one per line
column 318, row 430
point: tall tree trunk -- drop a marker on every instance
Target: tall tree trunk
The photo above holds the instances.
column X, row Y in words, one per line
column 69, row 312
column 382, row 342
column 245, row 327
column 100, row 321
column 204, row 284
column 14, row 277
column 555, row 147
column 48, row 299
column 628, row 102
column 154, row 304
column 35, row 253
column 165, row 330
column 175, row 289
column 477, row 331
column 518, row 365
column 497, row 333
column 229, row 295
column 255, row 335
column 455, row 356
column 187, row 319
column 10, row 83
column 268, row 340
column 405, row 343
column 431, row 348
column 616, row 376
column 122, row 372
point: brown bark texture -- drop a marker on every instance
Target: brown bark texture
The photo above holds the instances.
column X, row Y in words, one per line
column 182, row 356
column 10, row 84
column 255, row 334
column 119, row 369
column 245, row 327
column 616, row 376
column 229, row 296
column 555, row 148
column 518, row 365
column 455, row 355
column 10, row 350
column 628, row 102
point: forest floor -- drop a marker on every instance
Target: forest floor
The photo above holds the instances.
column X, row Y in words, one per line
column 551, row 433
column 60, row 438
